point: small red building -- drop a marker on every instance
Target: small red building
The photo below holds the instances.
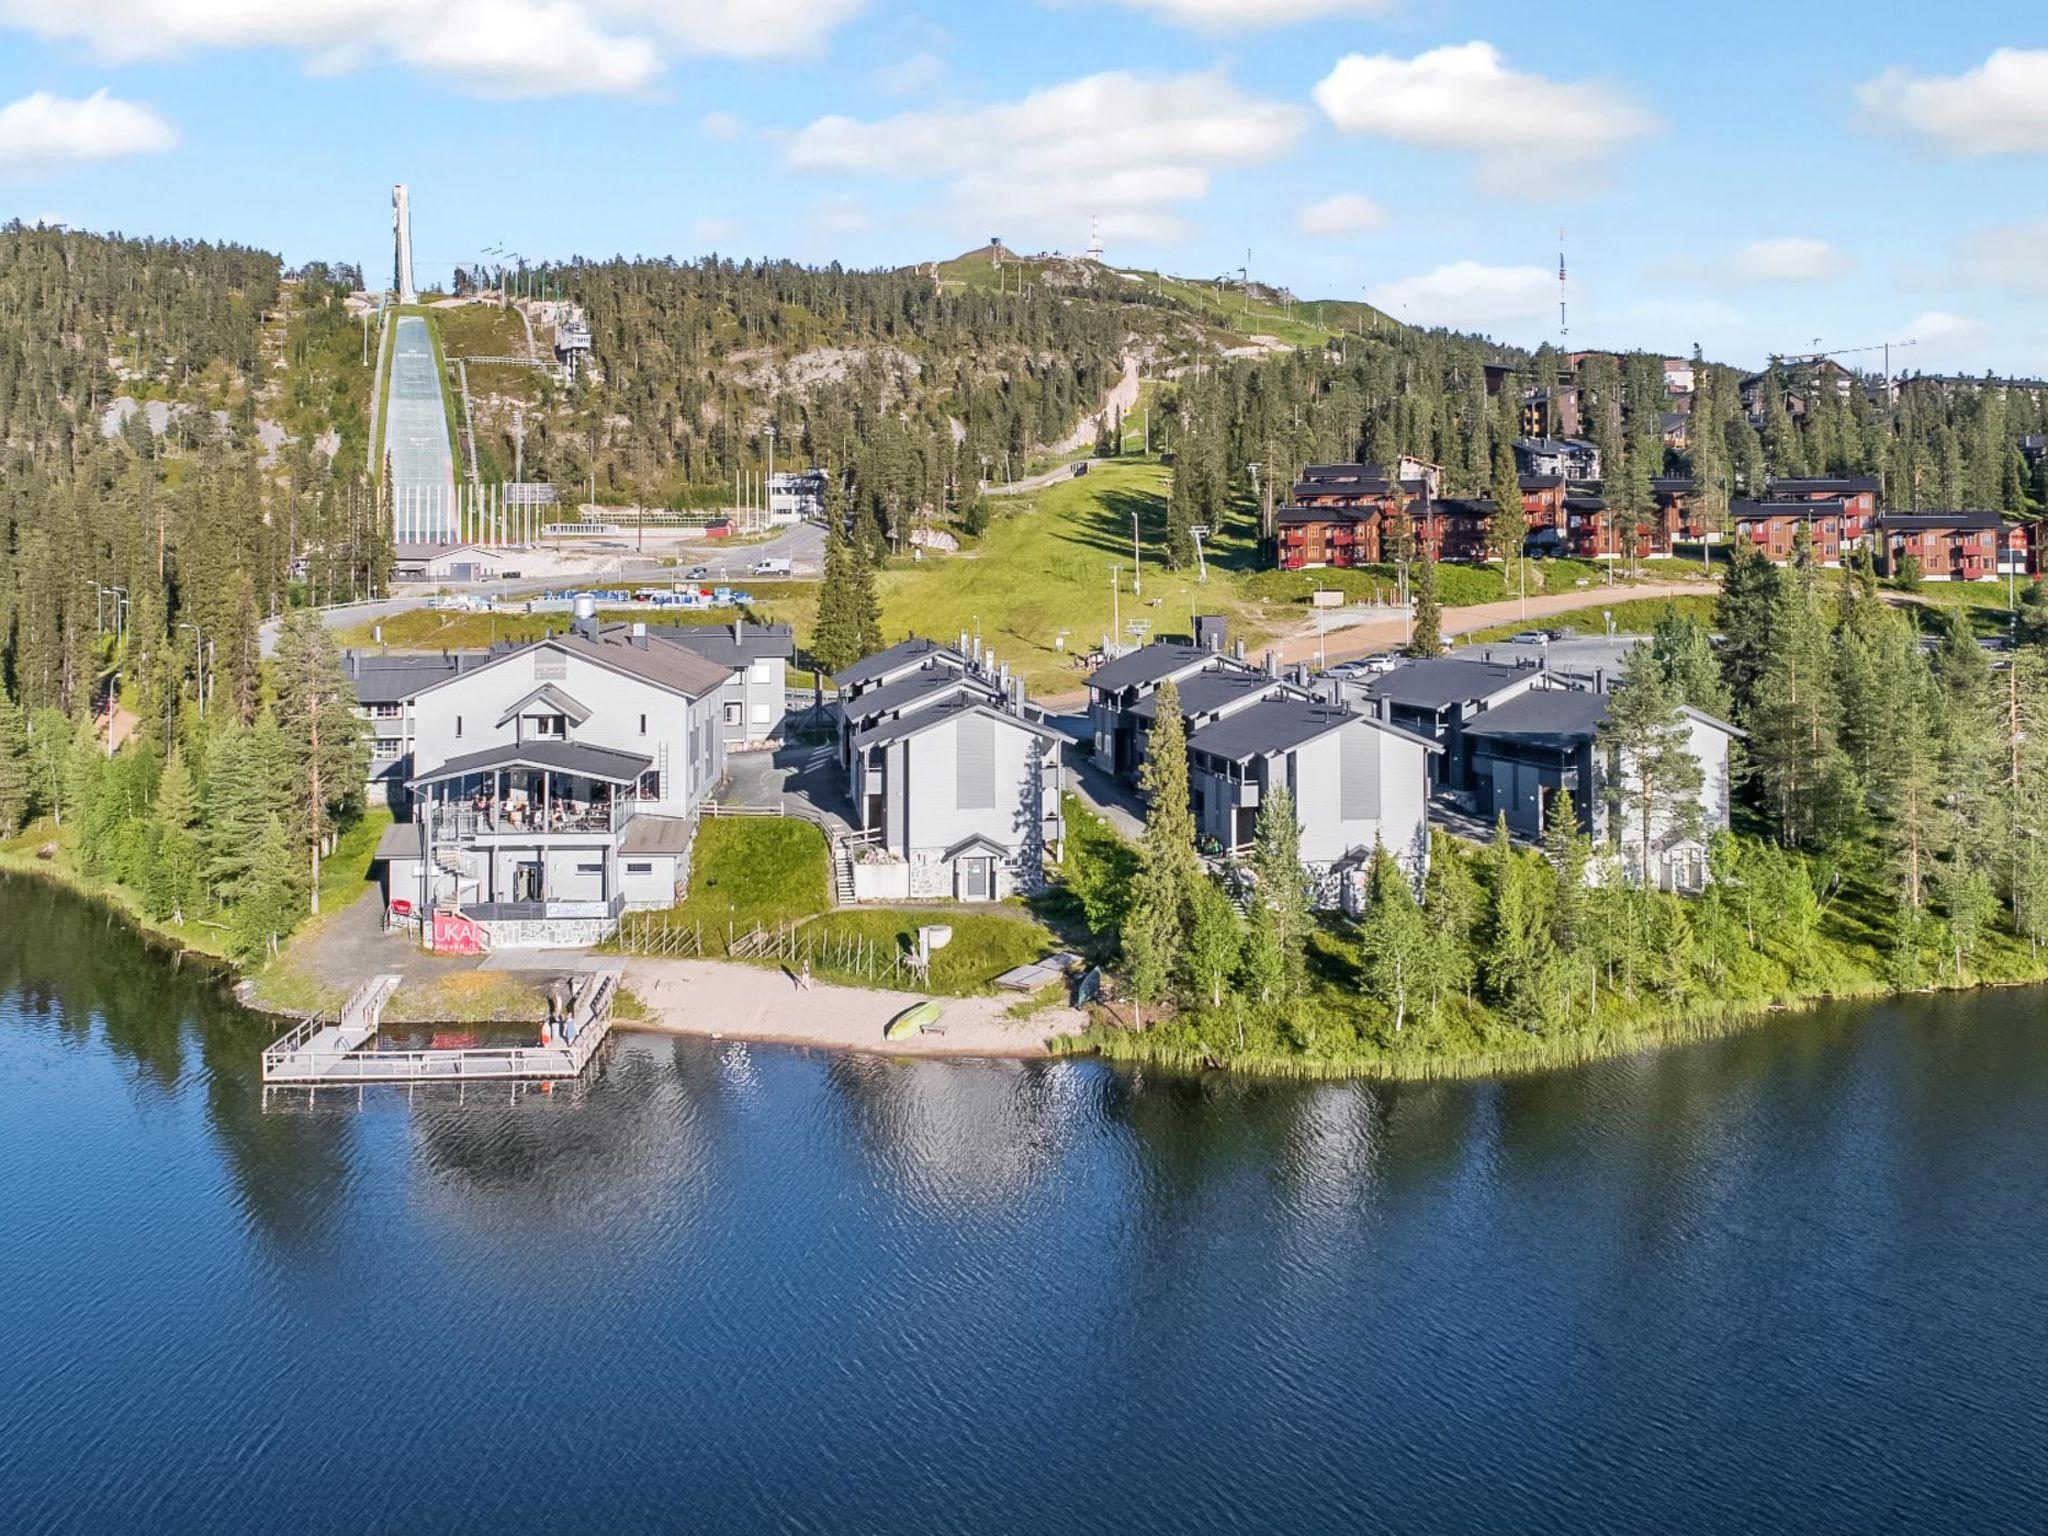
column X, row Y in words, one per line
column 1956, row 546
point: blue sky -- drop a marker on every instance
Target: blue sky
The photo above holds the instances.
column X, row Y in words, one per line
column 1745, row 175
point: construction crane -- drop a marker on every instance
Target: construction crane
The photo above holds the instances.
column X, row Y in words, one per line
column 1877, row 346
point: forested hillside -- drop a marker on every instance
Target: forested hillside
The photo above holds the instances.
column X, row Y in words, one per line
column 168, row 480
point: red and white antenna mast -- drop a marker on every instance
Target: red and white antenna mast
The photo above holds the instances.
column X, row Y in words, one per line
column 1563, row 329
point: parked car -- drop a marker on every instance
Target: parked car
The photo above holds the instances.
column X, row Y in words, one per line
column 1531, row 637
column 772, row 567
column 697, row 573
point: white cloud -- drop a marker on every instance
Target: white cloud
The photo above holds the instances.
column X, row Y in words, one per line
column 1236, row 15
column 722, row 126
column 495, row 47
column 43, row 132
column 1782, row 261
column 1788, row 259
column 1530, row 134
column 1469, row 296
column 1335, row 218
column 1998, row 108
column 841, row 213
column 912, row 76
column 2011, row 258
column 1137, row 148
column 714, row 233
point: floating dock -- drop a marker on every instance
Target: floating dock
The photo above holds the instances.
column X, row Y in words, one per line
column 322, row 1051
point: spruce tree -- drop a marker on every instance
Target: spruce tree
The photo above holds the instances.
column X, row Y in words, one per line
column 1426, row 638
column 1567, row 850
column 173, row 885
column 15, row 773
column 1163, row 894
column 835, row 637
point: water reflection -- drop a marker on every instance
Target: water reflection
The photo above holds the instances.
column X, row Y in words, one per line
column 1787, row 1279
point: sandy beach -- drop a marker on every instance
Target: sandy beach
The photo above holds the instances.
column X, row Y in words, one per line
column 722, row 1000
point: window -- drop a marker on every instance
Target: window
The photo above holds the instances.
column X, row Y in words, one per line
column 589, row 869
column 643, row 725
column 760, row 714
column 758, row 672
column 639, row 867
column 735, row 714
column 458, row 725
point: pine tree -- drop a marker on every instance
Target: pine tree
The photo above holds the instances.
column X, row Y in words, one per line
column 864, row 608
column 1514, row 938
column 270, row 904
column 49, row 748
column 325, row 754
column 1508, row 529
column 80, row 780
column 1427, row 635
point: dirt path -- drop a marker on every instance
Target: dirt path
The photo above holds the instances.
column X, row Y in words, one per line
column 725, row 1000
column 1378, row 634
column 1122, row 396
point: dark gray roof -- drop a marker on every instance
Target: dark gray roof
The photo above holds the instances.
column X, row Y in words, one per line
column 666, row 666
column 1150, row 664
column 1212, row 690
column 391, row 678
column 1325, row 514
column 940, row 713
column 905, row 653
column 1941, row 520
column 1545, row 717
column 656, row 834
column 1440, row 681
column 555, row 756
column 908, row 692
column 1840, row 485
column 1560, row 718
column 731, row 645
column 1806, row 509
column 1273, row 725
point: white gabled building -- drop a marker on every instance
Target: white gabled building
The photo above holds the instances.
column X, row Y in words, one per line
column 955, row 786
column 554, row 785
column 1357, row 783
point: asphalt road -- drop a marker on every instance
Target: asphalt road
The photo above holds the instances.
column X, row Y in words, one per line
column 803, row 546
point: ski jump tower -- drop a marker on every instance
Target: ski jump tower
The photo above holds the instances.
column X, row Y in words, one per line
column 401, row 229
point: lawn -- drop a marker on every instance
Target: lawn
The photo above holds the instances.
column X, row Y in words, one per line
column 1632, row 616
column 747, row 872
column 986, row 942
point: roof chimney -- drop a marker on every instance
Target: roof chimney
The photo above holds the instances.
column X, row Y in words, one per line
column 739, row 626
column 640, row 633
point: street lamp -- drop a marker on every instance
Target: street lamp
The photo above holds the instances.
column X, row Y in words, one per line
column 1199, row 532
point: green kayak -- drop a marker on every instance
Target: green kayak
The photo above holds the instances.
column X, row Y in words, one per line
column 912, row 1020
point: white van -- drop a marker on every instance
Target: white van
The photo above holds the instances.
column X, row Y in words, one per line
column 772, row 567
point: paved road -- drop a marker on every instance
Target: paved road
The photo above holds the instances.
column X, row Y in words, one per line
column 803, row 546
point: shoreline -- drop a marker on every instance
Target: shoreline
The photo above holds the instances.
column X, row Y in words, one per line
column 726, row 1000
column 758, row 1006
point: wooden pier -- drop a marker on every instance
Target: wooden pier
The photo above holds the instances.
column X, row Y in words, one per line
column 321, row 1052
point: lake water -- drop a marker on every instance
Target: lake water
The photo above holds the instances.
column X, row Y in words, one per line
column 1794, row 1280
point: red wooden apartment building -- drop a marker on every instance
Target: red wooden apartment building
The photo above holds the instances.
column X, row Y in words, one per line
column 1956, row 546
